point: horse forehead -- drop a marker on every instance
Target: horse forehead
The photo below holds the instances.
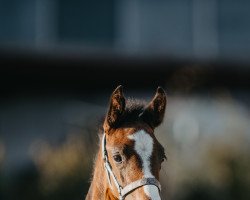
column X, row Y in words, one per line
column 129, row 136
column 143, row 141
column 144, row 148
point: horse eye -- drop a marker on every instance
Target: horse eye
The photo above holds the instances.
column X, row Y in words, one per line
column 117, row 158
column 163, row 158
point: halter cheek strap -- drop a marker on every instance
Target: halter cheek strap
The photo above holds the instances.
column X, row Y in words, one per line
column 124, row 191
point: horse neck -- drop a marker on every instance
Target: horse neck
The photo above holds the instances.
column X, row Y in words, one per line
column 99, row 186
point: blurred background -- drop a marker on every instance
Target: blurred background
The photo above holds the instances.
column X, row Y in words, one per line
column 60, row 60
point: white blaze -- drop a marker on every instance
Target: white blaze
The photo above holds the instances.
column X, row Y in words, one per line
column 144, row 148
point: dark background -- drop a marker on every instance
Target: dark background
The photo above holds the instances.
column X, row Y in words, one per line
column 60, row 61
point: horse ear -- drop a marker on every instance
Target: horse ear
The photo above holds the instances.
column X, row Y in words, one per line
column 154, row 112
column 116, row 108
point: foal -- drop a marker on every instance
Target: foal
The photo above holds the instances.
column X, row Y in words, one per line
column 129, row 158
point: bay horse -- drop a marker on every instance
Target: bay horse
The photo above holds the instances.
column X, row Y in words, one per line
column 129, row 159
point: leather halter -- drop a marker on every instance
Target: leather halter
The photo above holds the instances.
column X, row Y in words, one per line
column 124, row 191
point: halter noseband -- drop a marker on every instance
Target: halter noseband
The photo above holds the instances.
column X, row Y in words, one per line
column 124, row 191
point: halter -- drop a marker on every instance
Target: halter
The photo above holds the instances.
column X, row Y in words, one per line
column 124, row 191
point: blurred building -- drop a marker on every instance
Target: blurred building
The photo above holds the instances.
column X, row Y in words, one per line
column 215, row 29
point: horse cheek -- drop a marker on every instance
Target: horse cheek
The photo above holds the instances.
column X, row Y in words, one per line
column 109, row 195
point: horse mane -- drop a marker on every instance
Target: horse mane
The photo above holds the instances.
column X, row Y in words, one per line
column 131, row 114
column 134, row 107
